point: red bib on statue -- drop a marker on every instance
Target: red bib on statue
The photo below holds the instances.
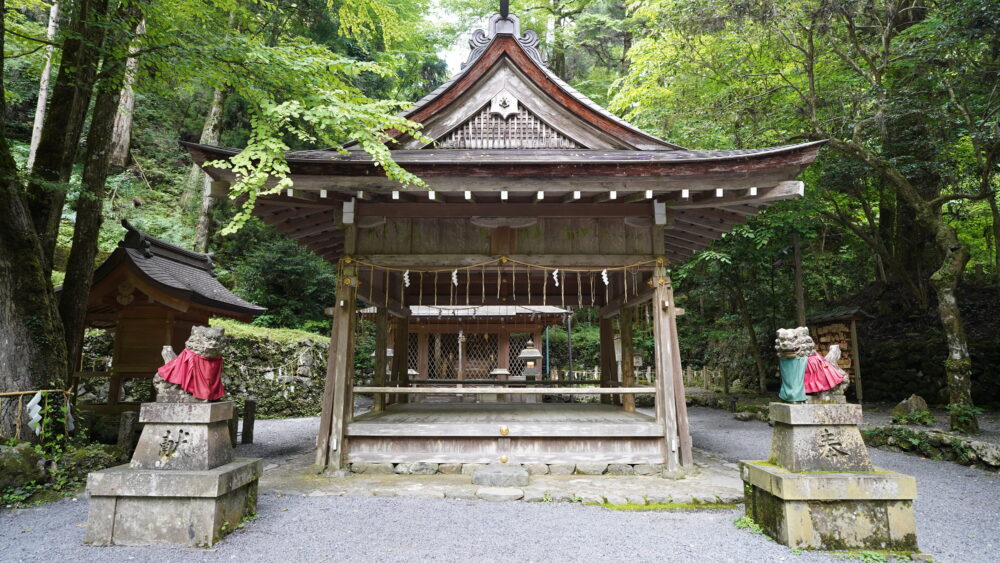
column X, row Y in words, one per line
column 196, row 374
column 821, row 375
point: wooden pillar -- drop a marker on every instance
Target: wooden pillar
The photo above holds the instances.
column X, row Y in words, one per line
column 337, row 391
column 628, row 376
column 607, row 348
column 401, row 357
column 666, row 407
column 856, row 359
column 683, row 432
column 381, row 359
column 423, row 361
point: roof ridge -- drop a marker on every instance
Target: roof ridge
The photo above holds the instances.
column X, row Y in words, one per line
column 150, row 245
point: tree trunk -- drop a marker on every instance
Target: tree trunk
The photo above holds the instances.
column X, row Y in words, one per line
column 89, row 206
column 200, row 181
column 121, row 138
column 64, row 120
column 32, row 354
column 741, row 305
column 800, row 291
column 995, row 212
column 958, row 366
column 43, row 86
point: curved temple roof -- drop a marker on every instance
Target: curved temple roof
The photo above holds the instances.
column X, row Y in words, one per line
column 506, row 130
column 172, row 274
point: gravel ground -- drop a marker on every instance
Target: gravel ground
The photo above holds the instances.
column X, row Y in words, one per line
column 957, row 517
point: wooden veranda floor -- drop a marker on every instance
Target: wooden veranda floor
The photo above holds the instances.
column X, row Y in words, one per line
column 521, row 433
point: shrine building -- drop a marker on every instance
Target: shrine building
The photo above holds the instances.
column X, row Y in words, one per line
column 536, row 196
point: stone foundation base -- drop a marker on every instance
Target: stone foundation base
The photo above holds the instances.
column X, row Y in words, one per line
column 424, row 468
column 822, row 510
column 144, row 507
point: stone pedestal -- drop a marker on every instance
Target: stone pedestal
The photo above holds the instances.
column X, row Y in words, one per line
column 820, row 490
column 182, row 487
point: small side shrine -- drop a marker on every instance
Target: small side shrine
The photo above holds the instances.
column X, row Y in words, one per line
column 840, row 327
column 150, row 293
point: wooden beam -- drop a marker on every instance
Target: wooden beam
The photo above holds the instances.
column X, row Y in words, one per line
column 417, row 261
column 507, row 390
column 381, row 357
column 856, row 361
column 607, row 357
column 680, row 405
column 330, row 443
column 628, row 375
column 401, row 355
column 617, row 303
column 511, row 209
column 666, row 406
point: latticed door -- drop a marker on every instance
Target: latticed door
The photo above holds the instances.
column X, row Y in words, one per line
column 480, row 355
column 443, row 356
column 518, row 342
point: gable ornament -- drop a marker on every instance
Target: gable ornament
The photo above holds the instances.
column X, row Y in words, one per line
column 504, row 104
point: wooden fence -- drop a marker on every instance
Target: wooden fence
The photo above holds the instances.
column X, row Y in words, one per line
column 704, row 378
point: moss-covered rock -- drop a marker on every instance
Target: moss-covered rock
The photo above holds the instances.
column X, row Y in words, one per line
column 20, row 464
column 81, row 460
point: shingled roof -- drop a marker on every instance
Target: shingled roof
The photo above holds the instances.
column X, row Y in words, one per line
column 181, row 273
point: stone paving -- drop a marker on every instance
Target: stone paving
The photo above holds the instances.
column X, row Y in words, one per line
column 712, row 481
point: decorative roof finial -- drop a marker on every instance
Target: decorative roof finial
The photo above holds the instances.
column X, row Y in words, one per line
column 503, row 23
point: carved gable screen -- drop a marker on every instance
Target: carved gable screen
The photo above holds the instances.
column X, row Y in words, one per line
column 488, row 129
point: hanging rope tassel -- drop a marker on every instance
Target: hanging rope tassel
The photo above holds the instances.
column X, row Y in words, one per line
column 513, row 283
column 529, row 285
column 593, row 296
column 468, row 283
column 435, row 288
column 420, row 299
column 579, row 290
column 371, row 282
column 625, row 281
column 545, row 288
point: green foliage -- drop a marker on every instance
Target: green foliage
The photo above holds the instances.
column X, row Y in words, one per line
column 293, row 284
column 747, row 523
column 962, row 415
column 921, row 417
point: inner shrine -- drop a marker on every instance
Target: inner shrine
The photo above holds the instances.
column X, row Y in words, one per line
column 536, row 197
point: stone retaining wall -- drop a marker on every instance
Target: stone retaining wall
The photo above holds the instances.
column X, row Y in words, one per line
column 934, row 444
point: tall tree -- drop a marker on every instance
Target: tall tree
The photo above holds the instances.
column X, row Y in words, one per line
column 43, row 85
column 90, row 203
column 33, row 354
column 804, row 56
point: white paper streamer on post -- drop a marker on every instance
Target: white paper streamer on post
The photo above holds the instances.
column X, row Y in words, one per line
column 34, row 410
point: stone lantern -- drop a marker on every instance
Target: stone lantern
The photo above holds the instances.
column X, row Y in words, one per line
column 532, row 371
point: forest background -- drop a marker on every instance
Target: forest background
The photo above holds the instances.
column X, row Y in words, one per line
column 901, row 215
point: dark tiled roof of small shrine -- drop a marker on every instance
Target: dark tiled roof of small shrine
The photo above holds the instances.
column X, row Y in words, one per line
column 185, row 274
column 839, row 315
